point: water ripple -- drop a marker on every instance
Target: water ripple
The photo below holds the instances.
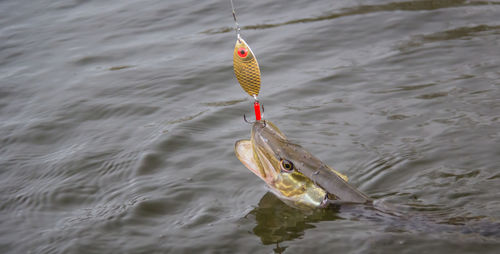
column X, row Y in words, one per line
column 424, row 5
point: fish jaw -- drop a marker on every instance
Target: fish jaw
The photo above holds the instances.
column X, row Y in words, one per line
column 254, row 160
column 245, row 153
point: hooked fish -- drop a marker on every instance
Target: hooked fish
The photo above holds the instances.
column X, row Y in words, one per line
column 293, row 174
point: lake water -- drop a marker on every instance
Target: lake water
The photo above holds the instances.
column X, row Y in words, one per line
column 118, row 121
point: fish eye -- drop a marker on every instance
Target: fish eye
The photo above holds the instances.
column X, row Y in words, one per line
column 286, row 165
column 242, row 52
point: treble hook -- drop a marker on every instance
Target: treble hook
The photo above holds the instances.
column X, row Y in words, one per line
column 245, row 118
column 256, row 112
column 252, row 122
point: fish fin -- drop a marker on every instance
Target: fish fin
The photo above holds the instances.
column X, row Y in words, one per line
column 344, row 177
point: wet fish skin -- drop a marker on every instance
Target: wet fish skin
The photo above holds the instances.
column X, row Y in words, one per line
column 311, row 183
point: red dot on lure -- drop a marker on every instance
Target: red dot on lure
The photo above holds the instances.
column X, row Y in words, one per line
column 242, row 52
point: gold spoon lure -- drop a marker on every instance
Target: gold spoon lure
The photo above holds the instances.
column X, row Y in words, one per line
column 246, row 67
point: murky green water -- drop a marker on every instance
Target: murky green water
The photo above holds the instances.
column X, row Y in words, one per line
column 118, row 121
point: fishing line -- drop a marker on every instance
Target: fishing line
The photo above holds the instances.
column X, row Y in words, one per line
column 235, row 20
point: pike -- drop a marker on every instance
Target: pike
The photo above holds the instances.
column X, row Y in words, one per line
column 293, row 174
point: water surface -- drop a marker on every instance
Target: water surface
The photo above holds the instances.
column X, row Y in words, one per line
column 118, row 122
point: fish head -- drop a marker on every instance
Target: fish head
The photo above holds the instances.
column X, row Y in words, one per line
column 270, row 156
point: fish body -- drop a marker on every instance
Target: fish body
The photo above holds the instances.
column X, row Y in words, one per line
column 293, row 174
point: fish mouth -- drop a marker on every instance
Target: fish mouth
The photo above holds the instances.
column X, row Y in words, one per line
column 245, row 153
column 255, row 160
column 259, row 154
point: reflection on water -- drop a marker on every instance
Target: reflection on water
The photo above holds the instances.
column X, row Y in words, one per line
column 278, row 222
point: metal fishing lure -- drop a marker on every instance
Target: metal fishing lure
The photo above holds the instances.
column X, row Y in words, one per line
column 246, row 67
